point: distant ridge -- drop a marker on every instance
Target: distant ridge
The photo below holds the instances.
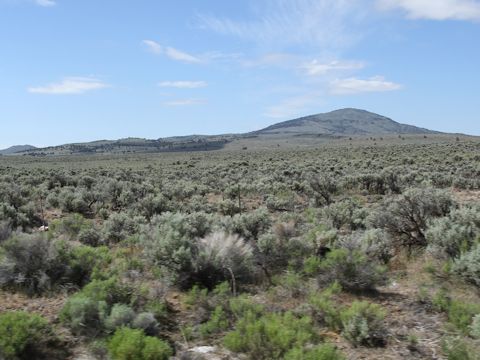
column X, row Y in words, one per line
column 344, row 122
column 323, row 127
column 16, row 149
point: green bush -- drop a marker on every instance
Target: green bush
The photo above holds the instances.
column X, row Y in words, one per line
column 84, row 316
column 406, row 217
column 451, row 236
column 475, row 327
column 31, row 263
column 325, row 309
column 120, row 315
column 363, row 324
column 352, row 269
column 459, row 313
column 217, row 323
column 270, row 336
column 147, row 322
column 23, row 335
column 132, row 344
column 467, row 266
column 321, row 352
column 456, row 348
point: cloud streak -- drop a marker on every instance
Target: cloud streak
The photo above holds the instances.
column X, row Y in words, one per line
column 45, row 3
column 317, row 68
column 353, row 85
column 183, row 84
column 171, row 52
column 69, row 86
column 435, row 9
column 292, row 22
column 185, row 102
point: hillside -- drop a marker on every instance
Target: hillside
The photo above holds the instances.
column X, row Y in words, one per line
column 313, row 129
column 344, row 122
column 16, row 149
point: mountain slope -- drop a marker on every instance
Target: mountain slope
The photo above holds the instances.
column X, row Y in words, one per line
column 332, row 125
column 344, row 122
column 16, row 149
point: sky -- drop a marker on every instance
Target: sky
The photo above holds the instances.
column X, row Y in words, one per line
column 74, row 71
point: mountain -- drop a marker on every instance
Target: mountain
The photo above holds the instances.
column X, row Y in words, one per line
column 307, row 131
column 343, row 122
column 16, row 149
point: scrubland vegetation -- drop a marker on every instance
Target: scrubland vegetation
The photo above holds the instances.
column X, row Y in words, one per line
column 340, row 252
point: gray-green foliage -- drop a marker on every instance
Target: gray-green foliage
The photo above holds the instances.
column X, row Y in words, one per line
column 31, row 263
column 406, row 217
column 468, row 266
column 363, row 324
column 449, row 236
column 120, row 315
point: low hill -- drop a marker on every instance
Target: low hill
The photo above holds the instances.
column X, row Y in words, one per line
column 307, row 130
column 344, row 122
column 16, row 149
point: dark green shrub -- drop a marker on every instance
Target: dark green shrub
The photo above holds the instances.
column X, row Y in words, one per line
column 90, row 237
column 147, row 322
column 352, row 269
column 217, row 323
column 363, row 324
column 24, row 336
column 459, row 313
column 270, row 336
column 321, row 352
column 325, row 309
column 406, row 216
column 131, row 344
column 31, row 263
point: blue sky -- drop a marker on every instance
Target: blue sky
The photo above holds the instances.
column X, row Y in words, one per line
column 84, row 70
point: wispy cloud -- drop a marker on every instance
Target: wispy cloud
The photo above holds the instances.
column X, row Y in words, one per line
column 185, row 102
column 69, row 86
column 435, row 9
column 45, row 3
column 178, row 55
column 183, row 84
column 293, row 106
column 322, row 23
column 153, row 46
column 171, row 52
column 316, row 68
column 355, row 86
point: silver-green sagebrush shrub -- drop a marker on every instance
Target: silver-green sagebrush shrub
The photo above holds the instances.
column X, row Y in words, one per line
column 120, row 315
column 467, row 266
column 31, row 263
column 352, row 269
column 363, row 324
column 448, row 237
column 406, row 217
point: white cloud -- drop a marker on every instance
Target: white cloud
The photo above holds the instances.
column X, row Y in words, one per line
column 293, row 106
column 315, row 67
column 69, row 86
column 183, row 84
column 435, row 9
column 285, row 22
column 355, row 86
column 45, row 3
column 171, row 52
column 153, row 46
column 178, row 55
column 185, row 102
